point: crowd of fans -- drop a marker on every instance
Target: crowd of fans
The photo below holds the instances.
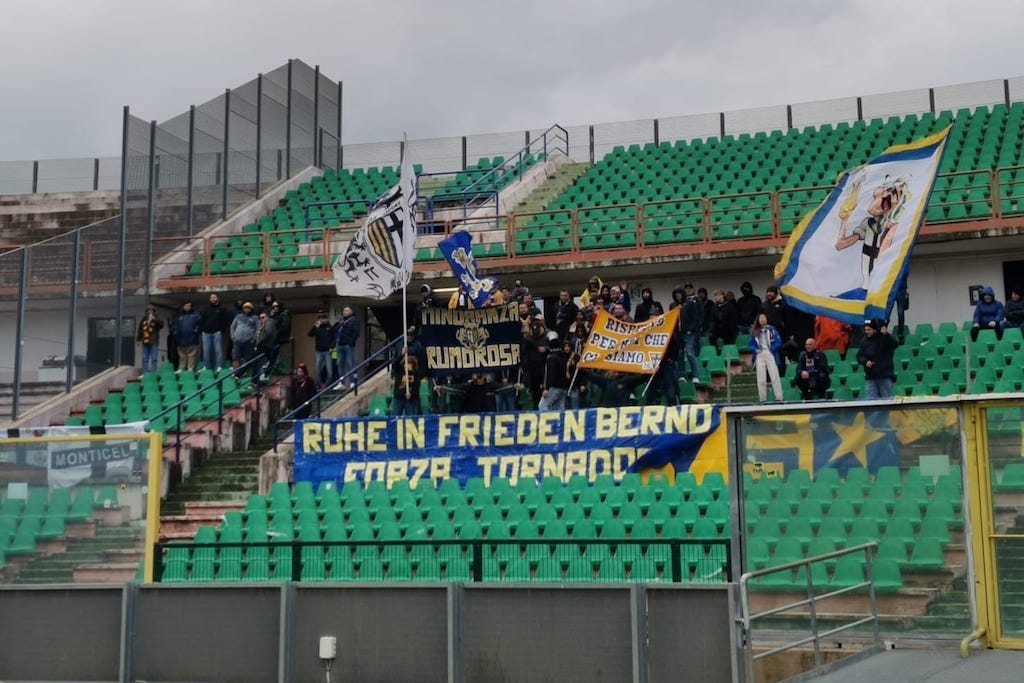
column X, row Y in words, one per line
column 549, row 377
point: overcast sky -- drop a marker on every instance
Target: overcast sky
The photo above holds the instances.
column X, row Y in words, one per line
column 451, row 67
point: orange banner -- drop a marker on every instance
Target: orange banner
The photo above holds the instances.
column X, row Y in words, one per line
column 628, row 347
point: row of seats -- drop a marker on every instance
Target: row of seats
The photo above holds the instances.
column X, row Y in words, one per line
column 508, row 562
column 799, row 165
column 208, row 394
column 43, row 515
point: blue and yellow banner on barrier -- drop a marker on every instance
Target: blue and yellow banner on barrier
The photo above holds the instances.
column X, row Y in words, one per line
column 536, row 445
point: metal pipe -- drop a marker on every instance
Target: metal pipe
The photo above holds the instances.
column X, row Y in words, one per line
column 259, row 134
column 227, row 154
column 965, row 644
column 288, row 126
column 76, row 247
column 316, row 117
column 122, row 245
column 19, row 327
column 150, row 206
column 190, row 183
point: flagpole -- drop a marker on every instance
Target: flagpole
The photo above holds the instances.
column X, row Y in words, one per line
column 651, row 380
column 410, row 208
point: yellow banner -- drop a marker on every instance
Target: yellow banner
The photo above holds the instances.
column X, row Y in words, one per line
column 628, row 347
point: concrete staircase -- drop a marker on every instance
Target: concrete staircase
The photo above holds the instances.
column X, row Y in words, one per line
column 563, row 177
column 223, row 482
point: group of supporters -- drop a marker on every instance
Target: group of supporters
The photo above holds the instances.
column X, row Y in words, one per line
column 552, row 344
column 216, row 333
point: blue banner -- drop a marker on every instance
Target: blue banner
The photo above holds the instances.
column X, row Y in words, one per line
column 533, row 445
column 458, row 251
column 459, row 342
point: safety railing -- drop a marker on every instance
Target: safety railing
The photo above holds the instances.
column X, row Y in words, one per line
column 509, row 560
column 722, row 222
column 809, row 606
column 208, row 403
column 333, row 393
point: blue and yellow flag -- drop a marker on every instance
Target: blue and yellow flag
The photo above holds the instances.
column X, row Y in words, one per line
column 845, row 259
column 458, row 251
column 814, row 441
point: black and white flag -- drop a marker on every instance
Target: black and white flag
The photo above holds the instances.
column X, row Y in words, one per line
column 379, row 258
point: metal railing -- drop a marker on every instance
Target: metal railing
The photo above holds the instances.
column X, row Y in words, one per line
column 682, row 561
column 183, row 412
column 811, row 603
column 329, row 396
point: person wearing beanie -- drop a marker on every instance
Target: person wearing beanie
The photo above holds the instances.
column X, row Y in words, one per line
column 243, row 335
column 875, row 354
column 1013, row 312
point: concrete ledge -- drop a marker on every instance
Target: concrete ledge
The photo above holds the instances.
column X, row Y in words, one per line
column 177, row 262
column 56, row 410
column 108, row 572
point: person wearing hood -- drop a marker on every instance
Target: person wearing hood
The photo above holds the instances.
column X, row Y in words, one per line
column 593, row 289
column 429, row 299
column 643, row 309
column 748, row 306
column 534, row 356
column 724, row 320
column 988, row 314
column 691, row 325
column 1013, row 312
column 323, row 334
column 875, row 354
column 267, row 303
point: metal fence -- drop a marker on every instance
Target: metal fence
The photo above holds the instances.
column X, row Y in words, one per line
column 424, row 632
column 176, row 178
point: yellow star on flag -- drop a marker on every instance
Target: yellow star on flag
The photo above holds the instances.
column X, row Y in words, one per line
column 855, row 438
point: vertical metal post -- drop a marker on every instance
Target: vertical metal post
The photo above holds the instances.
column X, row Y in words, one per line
column 1006, row 92
column 19, row 328
column 69, row 364
column 526, row 138
column 259, row 135
column 35, row 177
column 227, row 165
column 190, row 183
column 860, row 109
column 456, row 650
column 150, row 207
column 123, row 243
column 340, row 89
column 639, row 630
column 721, row 125
column 465, row 149
column 288, row 126
column 591, row 144
column 317, row 137
column 789, row 116
column 657, row 137
column 96, row 174
column 931, row 100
